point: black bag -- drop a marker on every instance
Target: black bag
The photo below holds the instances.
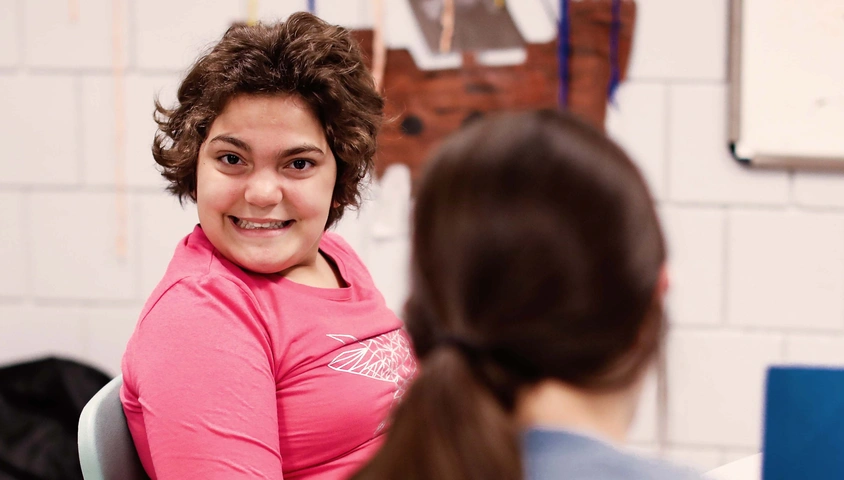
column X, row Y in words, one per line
column 40, row 404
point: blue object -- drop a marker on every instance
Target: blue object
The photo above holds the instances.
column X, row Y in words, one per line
column 615, row 68
column 563, row 52
column 804, row 424
column 564, row 49
column 312, row 6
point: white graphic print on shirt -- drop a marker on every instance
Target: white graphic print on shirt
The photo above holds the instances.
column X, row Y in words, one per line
column 386, row 358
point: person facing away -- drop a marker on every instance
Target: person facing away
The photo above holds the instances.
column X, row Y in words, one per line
column 535, row 308
column 266, row 351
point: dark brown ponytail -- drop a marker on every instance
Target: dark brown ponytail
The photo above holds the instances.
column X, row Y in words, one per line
column 448, row 426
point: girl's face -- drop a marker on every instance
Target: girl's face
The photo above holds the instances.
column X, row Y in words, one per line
column 264, row 183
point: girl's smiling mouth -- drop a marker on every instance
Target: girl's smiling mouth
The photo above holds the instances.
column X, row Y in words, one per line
column 256, row 224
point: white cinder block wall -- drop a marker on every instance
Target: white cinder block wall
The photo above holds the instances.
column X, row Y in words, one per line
column 757, row 258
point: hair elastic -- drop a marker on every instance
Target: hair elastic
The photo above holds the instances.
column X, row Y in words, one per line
column 470, row 349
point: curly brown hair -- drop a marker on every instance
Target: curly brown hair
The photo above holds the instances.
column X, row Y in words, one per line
column 302, row 56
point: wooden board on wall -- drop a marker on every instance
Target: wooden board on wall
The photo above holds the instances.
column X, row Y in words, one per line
column 425, row 106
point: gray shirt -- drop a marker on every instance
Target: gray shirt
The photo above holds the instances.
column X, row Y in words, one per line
column 563, row 455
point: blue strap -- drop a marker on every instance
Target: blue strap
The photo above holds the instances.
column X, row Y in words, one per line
column 312, row 6
column 563, row 52
column 615, row 69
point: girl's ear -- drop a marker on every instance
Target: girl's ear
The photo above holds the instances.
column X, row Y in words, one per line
column 662, row 282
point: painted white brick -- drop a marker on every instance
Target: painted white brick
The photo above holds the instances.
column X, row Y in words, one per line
column 9, row 46
column 815, row 350
column 27, row 333
column 356, row 225
column 99, row 120
column 392, row 204
column 56, row 36
column 701, row 168
column 278, row 10
column 171, row 35
column 40, row 131
column 716, row 386
column 695, row 264
column 786, row 269
column 161, row 223
column 106, row 332
column 389, row 244
column 14, row 276
column 644, row 427
column 819, row 189
column 637, row 122
column 354, row 229
column 349, row 13
column 74, row 254
column 389, row 269
column 680, row 39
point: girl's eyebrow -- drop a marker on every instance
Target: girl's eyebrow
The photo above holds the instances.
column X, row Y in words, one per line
column 303, row 148
column 297, row 150
column 232, row 141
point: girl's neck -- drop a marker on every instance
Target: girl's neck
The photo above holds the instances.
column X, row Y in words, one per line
column 322, row 273
column 551, row 403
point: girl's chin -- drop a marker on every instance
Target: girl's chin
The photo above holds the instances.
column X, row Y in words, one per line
column 262, row 267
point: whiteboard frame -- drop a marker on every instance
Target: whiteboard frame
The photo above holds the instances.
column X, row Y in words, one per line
column 760, row 159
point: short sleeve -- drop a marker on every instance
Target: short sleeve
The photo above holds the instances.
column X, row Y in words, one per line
column 201, row 365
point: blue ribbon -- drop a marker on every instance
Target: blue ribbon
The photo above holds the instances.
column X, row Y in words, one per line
column 563, row 52
column 564, row 44
column 615, row 69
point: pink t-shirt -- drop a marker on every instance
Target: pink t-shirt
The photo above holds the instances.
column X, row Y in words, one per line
column 231, row 374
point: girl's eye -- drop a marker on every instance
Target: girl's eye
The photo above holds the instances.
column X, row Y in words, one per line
column 230, row 159
column 300, row 164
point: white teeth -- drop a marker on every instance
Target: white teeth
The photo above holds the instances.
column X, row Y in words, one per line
column 258, row 226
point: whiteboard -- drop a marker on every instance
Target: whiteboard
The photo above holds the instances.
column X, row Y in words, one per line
column 787, row 82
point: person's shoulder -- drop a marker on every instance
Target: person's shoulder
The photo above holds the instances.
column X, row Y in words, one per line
column 632, row 466
column 198, row 270
column 195, row 260
column 554, row 454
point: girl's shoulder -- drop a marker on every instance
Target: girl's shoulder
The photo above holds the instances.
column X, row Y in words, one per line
column 557, row 454
column 197, row 270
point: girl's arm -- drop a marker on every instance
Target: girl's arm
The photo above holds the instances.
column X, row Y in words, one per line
column 201, row 365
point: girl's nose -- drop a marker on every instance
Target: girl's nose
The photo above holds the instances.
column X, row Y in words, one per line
column 264, row 189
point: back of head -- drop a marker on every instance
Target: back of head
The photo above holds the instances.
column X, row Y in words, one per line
column 536, row 254
column 536, row 237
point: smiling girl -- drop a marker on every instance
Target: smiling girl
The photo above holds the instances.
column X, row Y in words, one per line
column 266, row 351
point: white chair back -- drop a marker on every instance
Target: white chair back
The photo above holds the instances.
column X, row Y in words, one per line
column 106, row 449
